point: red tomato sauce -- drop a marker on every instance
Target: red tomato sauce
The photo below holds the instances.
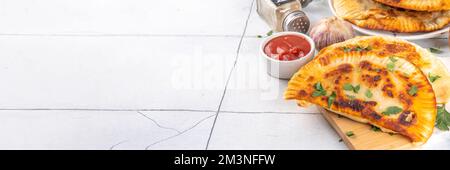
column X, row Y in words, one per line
column 287, row 48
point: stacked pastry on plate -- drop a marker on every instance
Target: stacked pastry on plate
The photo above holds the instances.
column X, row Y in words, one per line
column 389, row 83
column 406, row 16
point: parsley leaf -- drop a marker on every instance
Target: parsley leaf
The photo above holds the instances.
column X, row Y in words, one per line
column 319, row 91
column 350, row 133
column 393, row 59
column 435, row 50
column 390, row 66
column 358, row 48
column 331, row 99
column 348, row 87
column 443, row 118
column 356, row 88
column 433, row 78
column 318, row 86
column 369, row 94
column 346, row 49
column 413, row 90
column 375, row 129
column 392, row 110
column 267, row 34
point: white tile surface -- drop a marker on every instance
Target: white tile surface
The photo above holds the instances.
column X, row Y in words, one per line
column 438, row 141
column 114, row 72
column 103, row 130
column 273, row 131
column 213, row 17
column 252, row 89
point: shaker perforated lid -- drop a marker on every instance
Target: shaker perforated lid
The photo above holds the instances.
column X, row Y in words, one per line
column 296, row 21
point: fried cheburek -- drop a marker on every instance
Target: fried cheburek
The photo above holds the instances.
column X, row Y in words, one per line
column 374, row 15
column 419, row 5
column 381, row 46
column 383, row 81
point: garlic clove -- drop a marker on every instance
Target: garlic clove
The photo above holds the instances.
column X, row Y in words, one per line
column 330, row 31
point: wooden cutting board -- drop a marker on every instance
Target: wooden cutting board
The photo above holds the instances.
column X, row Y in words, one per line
column 364, row 138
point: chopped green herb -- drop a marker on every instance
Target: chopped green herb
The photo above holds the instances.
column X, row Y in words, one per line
column 319, row 93
column 359, row 49
column 393, row 59
column 435, row 50
column 331, row 99
column 375, row 129
column 391, row 66
column 413, row 90
column 259, row 36
column 269, row 33
column 319, row 90
column 369, row 94
column 392, row 134
column 433, row 78
column 348, row 87
column 356, row 89
column 318, row 86
column 350, row 133
column 392, row 110
column 443, row 118
column 346, row 49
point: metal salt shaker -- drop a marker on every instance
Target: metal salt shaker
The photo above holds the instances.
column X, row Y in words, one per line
column 284, row 15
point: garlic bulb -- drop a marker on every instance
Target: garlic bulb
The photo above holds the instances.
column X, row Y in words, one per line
column 330, row 31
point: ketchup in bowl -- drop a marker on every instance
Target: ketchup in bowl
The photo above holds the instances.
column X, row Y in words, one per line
column 287, row 48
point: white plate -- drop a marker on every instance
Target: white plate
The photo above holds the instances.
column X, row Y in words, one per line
column 405, row 36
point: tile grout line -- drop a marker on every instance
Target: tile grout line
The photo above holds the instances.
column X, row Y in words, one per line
column 268, row 112
column 230, row 74
column 151, row 110
column 104, row 110
column 116, row 35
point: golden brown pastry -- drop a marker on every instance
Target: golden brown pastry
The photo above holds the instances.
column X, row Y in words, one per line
column 387, row 92
column 419, row 5
column 430, row 65
column 374, row 15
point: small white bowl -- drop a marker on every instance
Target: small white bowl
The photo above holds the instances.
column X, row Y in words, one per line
column 286, row 69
